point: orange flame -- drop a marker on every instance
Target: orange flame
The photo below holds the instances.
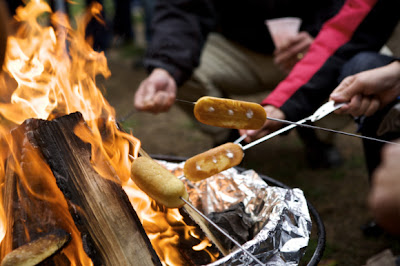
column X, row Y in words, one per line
column 50, row 73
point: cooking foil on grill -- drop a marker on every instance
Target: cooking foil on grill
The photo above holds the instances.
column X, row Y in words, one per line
column 282, row 223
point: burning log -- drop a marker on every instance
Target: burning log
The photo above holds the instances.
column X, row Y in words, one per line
column 29, row 212
column 110, row 229
column 37, row 251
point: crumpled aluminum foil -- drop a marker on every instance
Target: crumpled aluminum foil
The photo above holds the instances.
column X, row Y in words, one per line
column 281, row 216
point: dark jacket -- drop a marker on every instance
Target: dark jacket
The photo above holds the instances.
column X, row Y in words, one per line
column 180, row 27
column 361, row 25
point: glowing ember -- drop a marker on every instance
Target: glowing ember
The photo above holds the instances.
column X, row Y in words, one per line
column 49, row 73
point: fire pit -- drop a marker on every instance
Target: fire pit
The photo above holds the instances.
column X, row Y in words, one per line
column 319, row 249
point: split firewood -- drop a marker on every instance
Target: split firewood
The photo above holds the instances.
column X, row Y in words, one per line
column 29, row 216
column 111, row 230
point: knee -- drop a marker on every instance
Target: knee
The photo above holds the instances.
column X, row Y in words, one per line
column 363, row 61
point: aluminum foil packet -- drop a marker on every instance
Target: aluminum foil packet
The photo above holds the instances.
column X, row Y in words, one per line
column 282, row 223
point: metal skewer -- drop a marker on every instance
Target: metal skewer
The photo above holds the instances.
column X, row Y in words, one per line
column 333, row 131
column 271, row 135
column 222, row 231
column 301, row 123
column 131, row 112
column 242, row 137
column 184, row 101
column 321, row 112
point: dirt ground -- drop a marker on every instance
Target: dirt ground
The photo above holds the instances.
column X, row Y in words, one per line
column 338, row 194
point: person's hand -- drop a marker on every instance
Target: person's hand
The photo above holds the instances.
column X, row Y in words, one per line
column 384, row 197
column 156, row 93
column 268, row 127
column 292, row 51
column 369, row 90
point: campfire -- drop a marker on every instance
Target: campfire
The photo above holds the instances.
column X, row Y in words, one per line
column 65, row 162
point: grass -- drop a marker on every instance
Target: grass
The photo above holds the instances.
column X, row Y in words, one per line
column 312, row 245
column 76, row 7
column 131, row 50
column 338, row 175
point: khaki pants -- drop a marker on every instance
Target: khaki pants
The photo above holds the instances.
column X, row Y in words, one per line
column 227, row 68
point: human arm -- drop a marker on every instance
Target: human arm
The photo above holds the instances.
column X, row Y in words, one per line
column 349, row 32
column 369, row 90
column 156, row 93
column 384, row 197
column 180, row 29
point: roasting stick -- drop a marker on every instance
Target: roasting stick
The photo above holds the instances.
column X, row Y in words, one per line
column 324, row 110
column 271, row 135
column 184, row 101
column 241, row 115
column 230, row 154
column 301, row 123
column 222, row 231
column 294, row 124
column 333, row 131
column 126, row 116
column 242, row 137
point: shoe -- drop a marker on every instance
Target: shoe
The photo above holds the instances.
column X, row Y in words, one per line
column 323, row 156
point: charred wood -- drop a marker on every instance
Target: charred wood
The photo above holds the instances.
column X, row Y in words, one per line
column 111, row 231
column 37, row 251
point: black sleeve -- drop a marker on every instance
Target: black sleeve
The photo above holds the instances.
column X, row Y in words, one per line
column 314, row 18
column 180, row 29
